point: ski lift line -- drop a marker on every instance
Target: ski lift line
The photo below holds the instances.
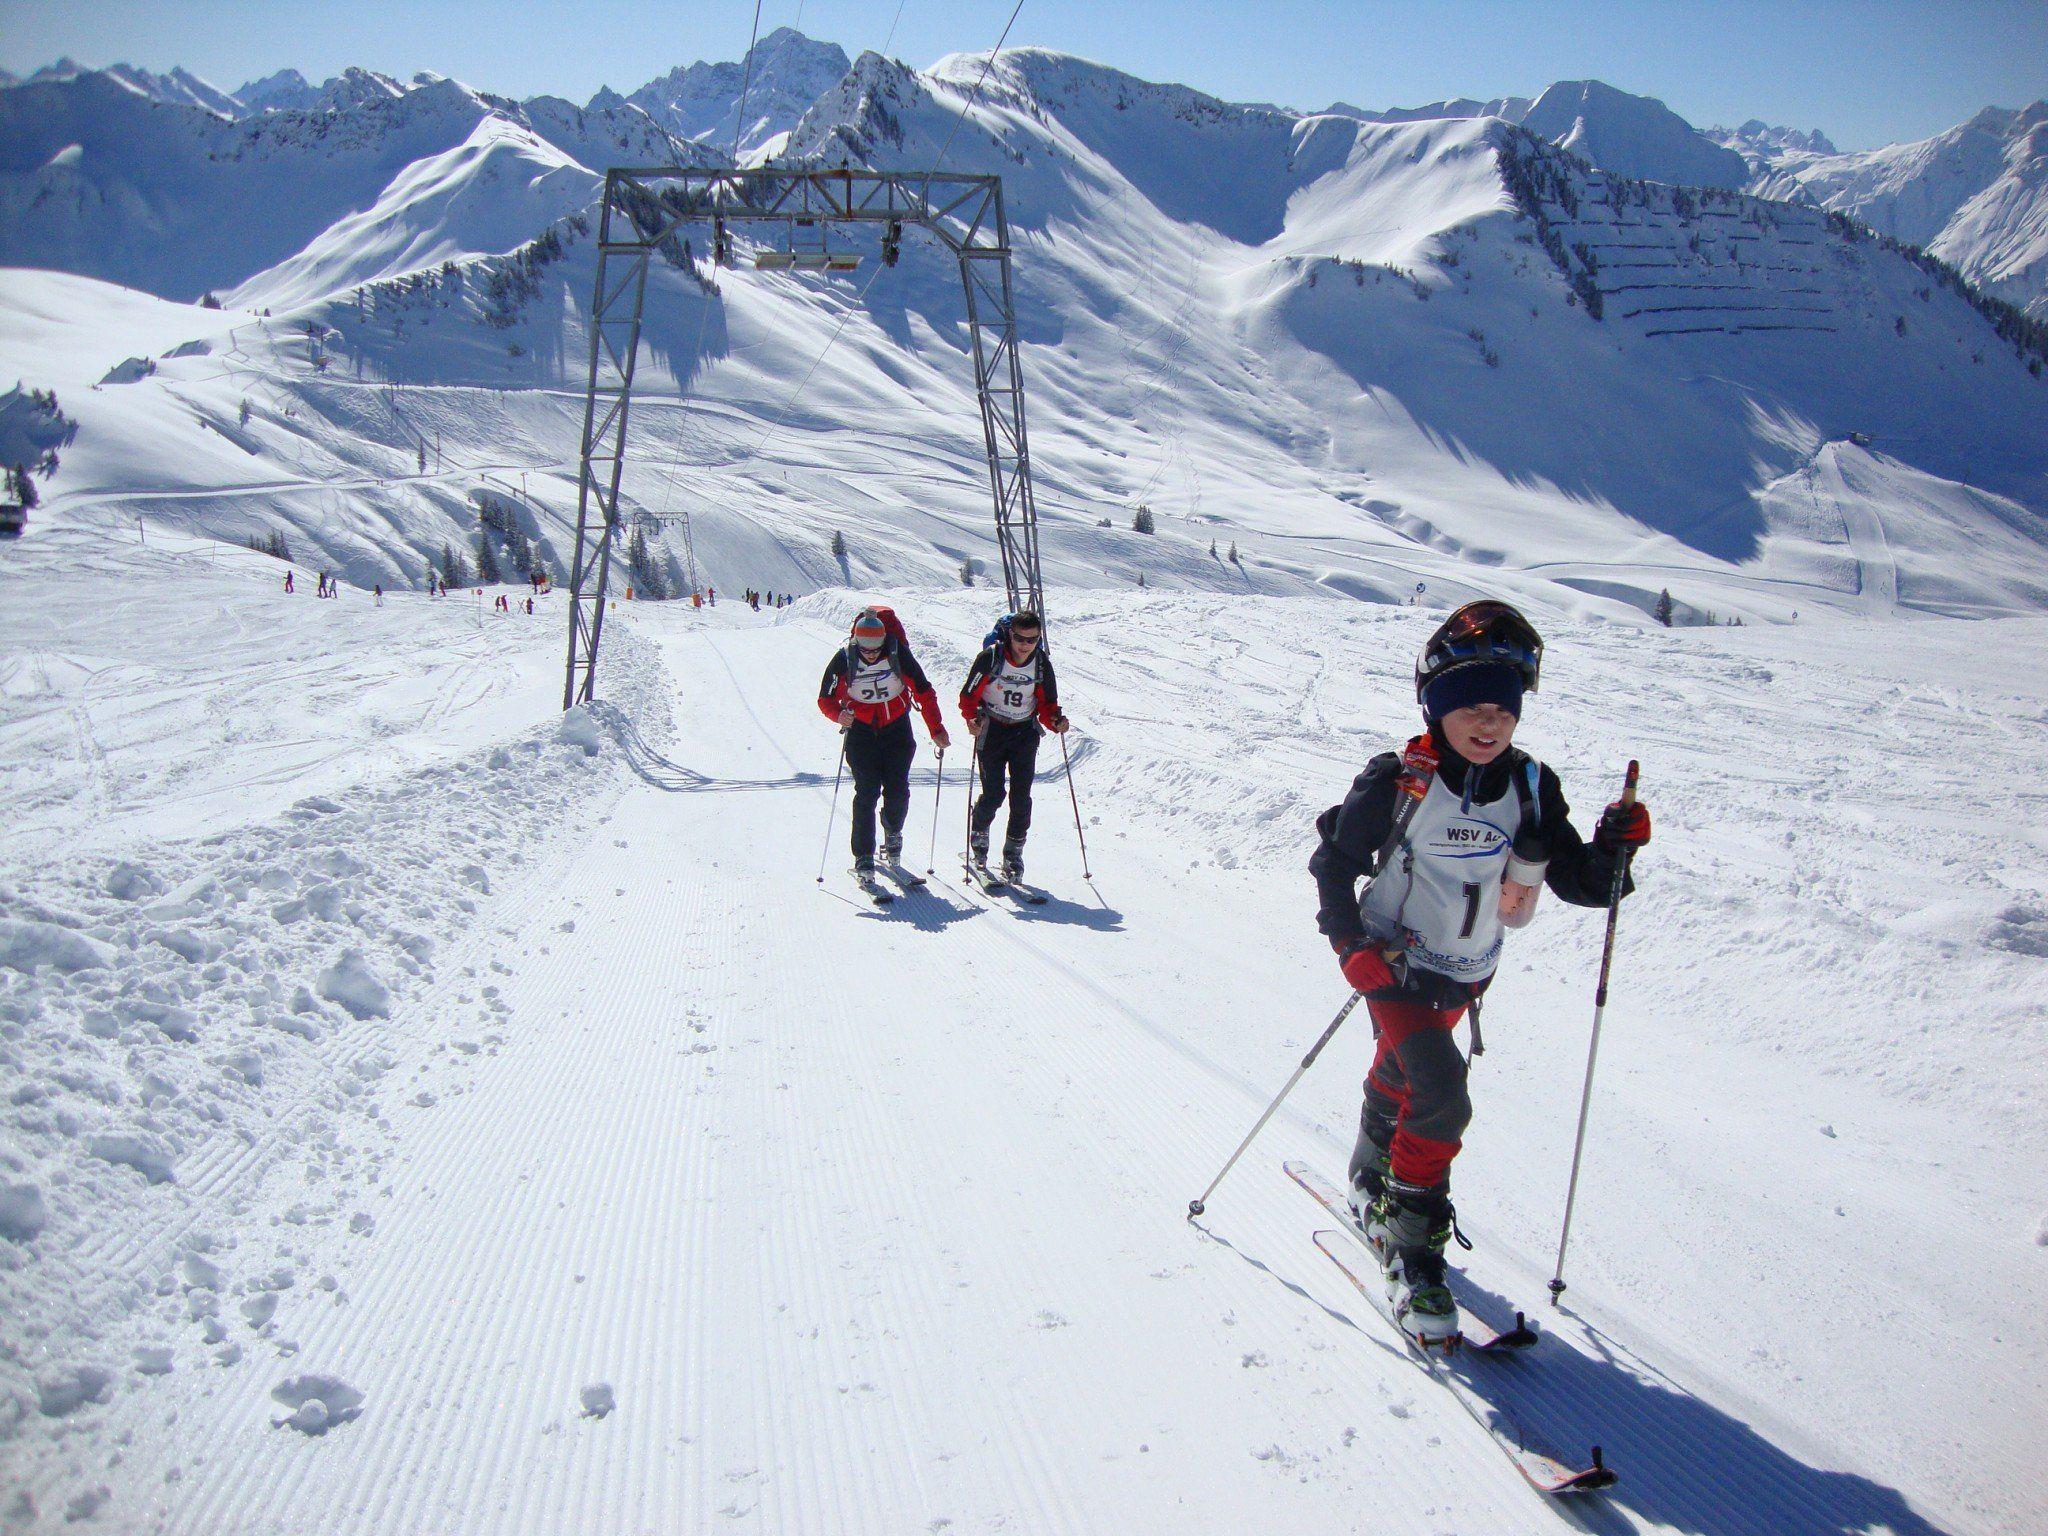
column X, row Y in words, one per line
column 739, row 117
column 937, row 164
column 986, row 65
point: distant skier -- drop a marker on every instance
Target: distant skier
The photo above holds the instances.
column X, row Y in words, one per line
column 1010, row 700
column 868, row 689
column 288, row 581
column 1457, row 835
column 379, row 591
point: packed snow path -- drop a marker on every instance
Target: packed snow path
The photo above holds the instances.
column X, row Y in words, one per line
column 760, row 1209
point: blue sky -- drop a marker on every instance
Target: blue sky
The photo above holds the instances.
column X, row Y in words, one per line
column 1868, row 72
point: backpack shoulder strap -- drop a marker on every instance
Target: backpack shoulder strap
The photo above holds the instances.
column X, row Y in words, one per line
column 1527, row 774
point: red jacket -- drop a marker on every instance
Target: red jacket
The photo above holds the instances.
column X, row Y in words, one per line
column 983, row 672
column 834, row 697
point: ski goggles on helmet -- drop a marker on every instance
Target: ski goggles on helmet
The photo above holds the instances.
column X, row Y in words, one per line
column 1487, row 630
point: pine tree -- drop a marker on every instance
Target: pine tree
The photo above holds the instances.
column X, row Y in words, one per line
column 966, row 573
column 838, row 545
column 1233, row 551
column 24, row 487
column 1664, row 607
column 487, row 572
column 1141, row 520
column 453, row 572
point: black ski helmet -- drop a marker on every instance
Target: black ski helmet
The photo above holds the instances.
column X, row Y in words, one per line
column 1486, row 631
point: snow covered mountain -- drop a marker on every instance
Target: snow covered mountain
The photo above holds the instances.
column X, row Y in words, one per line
column 1610, row 129
column 178, row 88
column 100, row 179
column 1976, row 195
column 1512, row 108
column 781, row 76
column 1761, row 138
column 1366, row 353
column 1634, row 136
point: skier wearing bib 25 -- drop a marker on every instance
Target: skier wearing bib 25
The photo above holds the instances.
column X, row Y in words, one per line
column 1009, row 700
column 868, row 689
column 1454, row 838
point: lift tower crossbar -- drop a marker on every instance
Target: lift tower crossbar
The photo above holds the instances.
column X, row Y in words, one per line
column 642, row 211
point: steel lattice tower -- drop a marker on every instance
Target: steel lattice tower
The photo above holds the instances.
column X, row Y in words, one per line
column 643, row 210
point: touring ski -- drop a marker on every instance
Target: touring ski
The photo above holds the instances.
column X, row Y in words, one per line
column 902, row 876
column 993, row 884
column 1544, row 1473
column 1474, row 1335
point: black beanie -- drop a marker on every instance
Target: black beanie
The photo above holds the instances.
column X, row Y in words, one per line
column 1478, row 682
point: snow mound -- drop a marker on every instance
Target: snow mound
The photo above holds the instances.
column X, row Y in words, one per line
column 358, row 989
column 318, row 1403
column 30, row 946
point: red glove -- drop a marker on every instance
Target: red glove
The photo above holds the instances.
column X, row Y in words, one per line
column 1367, row 970
column 1622, row 826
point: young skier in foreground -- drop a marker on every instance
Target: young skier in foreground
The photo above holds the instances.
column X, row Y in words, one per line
column 1454, row 837
column 1009, row 700
column 868, row 688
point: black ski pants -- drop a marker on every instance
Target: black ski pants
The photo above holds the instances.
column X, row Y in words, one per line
column 880, row 760
column 1009, row 754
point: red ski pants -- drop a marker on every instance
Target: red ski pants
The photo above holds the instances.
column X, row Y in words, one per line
column 1417, row 1085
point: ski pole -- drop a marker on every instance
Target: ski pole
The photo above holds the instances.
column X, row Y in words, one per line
column 1628, row 797
column 1076, row 799
column 837, row 773
column 931, row 857
column 973, row 780
column 1196, row 1207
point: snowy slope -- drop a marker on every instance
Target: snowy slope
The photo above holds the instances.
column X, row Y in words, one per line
column 573, row 1172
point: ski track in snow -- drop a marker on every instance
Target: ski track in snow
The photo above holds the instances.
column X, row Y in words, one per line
column 872, row 1221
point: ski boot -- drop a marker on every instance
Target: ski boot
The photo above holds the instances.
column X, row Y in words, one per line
column 892, row 846
column 864, row 867
column 1013, row 860
column 977, row 848
column 1369, row 1165
column 1371, row 1161
column 1409, row 1228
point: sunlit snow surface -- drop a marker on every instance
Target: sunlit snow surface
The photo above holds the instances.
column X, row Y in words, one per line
column 371, row 1046
column 425, row 1112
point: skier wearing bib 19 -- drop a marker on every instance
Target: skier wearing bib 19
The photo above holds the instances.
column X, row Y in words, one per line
column 1454, row 837
column 868, row 689
column 1009, row 700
